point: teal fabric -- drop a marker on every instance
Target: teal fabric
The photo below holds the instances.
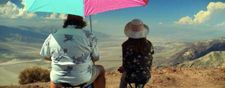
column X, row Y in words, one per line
column 75, row 7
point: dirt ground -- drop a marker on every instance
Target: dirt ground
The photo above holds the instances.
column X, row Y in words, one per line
column 165, row 78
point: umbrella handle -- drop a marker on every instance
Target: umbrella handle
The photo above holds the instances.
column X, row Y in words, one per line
column 90, row 20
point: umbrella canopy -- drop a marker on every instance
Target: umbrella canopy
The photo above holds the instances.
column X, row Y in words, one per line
column 80, row 7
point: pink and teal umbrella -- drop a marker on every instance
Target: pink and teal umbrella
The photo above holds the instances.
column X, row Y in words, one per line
column 80, row 7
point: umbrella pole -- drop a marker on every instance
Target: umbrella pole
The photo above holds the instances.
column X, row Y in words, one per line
column 90, row 19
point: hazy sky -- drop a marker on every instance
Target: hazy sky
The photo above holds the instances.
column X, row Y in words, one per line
column 182, row 19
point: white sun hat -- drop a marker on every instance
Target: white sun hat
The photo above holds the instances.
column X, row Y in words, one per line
column 136, row 34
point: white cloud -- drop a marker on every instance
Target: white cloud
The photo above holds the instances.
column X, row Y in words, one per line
column 203, row 16
column 221, row 24
column 185, row 20
column 160, row 23
column 56, row 16
column 10, row 10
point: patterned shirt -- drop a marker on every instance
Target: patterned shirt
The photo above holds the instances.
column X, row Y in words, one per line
column 71, row 51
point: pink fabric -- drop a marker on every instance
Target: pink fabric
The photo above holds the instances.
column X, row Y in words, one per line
column 98, row 6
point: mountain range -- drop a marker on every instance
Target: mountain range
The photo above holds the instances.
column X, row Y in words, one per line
column 197, row 51
column 18, row 34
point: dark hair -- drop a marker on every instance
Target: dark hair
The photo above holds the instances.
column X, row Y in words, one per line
column 76, row 21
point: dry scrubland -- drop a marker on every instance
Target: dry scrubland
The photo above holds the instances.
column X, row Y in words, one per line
column 165, row 78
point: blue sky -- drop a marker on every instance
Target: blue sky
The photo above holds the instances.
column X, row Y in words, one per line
column 162, row 10
column 190, row 19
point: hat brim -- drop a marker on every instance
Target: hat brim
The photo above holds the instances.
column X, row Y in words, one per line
column 128, row 27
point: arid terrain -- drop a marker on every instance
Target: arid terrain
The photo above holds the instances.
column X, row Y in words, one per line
column 165, row 78
column 205, row 72
column 198, row 64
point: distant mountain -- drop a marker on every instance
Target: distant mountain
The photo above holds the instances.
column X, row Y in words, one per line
column 18, row 34
column 4, row 50
column 24, row 42
column 213, row 59
column 197, row 50
column 32, row 34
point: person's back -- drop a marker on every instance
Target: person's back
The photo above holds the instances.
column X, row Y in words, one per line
column 73, row 51
column 70, row 56
column 137, row 55
column 137, row 63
